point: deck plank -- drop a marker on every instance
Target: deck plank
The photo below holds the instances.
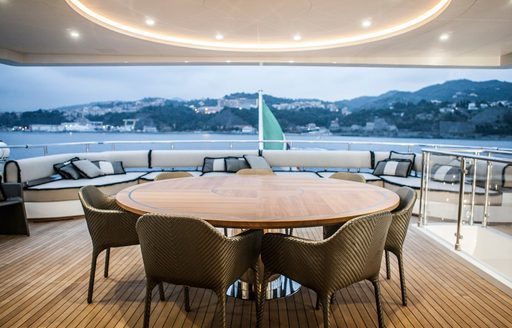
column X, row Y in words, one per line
column 45, row 277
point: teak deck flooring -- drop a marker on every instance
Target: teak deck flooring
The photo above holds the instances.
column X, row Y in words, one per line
column 43, row 283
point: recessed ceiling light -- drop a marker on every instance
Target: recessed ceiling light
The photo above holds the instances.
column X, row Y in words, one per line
column 74, row 34
column 366, row 23
column 219, row 36
column 186, row 61
column 150, row 21
column 228, row 61
column 297, row 37
column 291, row 61
column 444, row 37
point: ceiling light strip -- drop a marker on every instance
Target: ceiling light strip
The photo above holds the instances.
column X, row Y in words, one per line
column 136, row 32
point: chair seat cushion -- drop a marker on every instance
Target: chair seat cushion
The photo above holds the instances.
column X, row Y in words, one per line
column 99, row 181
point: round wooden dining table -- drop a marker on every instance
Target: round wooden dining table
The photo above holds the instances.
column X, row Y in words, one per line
column 259, row 202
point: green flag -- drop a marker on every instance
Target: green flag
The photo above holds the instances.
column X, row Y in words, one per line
column 271, row 129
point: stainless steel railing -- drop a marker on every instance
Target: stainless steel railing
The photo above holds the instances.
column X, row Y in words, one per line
column 348, row 145
column 464, row 156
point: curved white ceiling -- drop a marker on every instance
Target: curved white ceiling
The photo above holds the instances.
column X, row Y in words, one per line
column 261, row 26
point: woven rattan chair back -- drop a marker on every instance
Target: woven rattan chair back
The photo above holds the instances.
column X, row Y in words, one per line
column 93, row 199
column 173, row 175
column 352, row 254
column 255, row 172
column 109, row 226
column 349, row 176
column 401, row 217
column 397, row 233
column 191, row 252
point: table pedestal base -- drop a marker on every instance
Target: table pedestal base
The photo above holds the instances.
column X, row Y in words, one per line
column 280, row 287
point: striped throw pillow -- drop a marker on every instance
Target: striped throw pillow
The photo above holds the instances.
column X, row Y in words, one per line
column 393, row 167
column 211, row 164
column 445, row 173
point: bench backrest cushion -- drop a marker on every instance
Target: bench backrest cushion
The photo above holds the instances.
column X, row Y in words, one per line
column 318, row 158
column 191, row 158
column 40, row 167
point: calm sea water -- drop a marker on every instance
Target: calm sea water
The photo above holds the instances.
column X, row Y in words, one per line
column 300, row 141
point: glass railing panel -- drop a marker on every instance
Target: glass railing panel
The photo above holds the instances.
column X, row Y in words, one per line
column 485, row 224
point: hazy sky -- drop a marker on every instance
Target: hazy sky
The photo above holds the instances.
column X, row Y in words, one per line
column 29, row 88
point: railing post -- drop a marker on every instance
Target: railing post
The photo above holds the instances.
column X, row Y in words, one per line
column 86, row 148
column 458, row 235
column 113, row 147
column 425, row 198
column 422, row 191
column 486, row 198
column 45, row 150
column 473, row 193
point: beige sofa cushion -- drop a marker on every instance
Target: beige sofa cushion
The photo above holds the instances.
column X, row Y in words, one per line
column 318, row 158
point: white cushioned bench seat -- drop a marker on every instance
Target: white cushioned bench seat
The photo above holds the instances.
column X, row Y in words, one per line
column 415, row 183
column 151, row 175
column 67, row 189
column 442, row 192
column 216, row 174
column 99, row 181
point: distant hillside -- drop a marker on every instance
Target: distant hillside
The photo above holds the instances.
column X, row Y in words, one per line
column 450, row 91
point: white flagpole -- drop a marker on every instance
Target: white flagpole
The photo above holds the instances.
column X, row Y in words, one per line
column 260, row 119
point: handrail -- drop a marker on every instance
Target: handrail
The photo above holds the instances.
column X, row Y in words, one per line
column 477, row 157
column 237, row 141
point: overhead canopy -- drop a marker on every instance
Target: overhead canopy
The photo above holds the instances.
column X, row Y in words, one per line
column 438, row 33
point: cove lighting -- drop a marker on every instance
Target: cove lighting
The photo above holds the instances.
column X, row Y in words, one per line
column 219, row 37
column 292, row 45
column 297, row 37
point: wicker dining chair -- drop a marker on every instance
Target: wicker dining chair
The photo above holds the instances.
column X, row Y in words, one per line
column 255, row 172
column 397, row 233
column 352, row 254
column 173, row 175
column 329, row 230
column 109, row 226
column 191, row 252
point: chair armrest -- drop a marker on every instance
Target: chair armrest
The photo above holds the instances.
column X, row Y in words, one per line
column 13, row 189
column 243, row 251
column 112, row 228
column 294, row 257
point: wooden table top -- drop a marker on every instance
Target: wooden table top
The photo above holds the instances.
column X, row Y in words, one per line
column 259, row 202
